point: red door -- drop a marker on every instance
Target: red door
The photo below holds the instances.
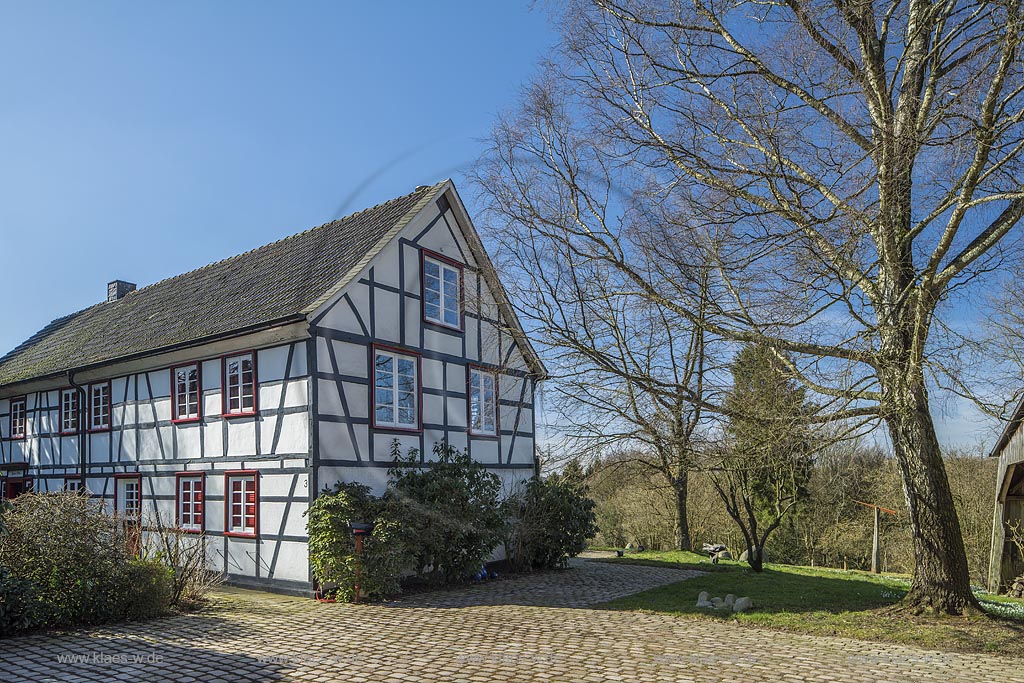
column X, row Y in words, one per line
column 15, row 486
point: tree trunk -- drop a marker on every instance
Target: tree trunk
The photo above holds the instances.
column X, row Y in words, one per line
column 682, row 524
column 941, row 583
column 754, row 558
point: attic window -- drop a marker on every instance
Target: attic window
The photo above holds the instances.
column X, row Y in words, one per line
column 442, row 290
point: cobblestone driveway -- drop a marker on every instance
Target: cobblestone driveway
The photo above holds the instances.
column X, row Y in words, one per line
column 536, row 629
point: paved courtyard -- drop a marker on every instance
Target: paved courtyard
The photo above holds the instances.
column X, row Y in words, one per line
column 541, row 628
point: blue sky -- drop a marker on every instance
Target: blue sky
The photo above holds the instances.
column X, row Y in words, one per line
column 141, row 140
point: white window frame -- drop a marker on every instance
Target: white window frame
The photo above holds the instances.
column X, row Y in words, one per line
column 99, row 412
column 19, row 418
column 241, row 386
column 192, row 393
column 435, row 285
column 249, row 485
column 195, row 497
column 396, row 357
column 478, row 403
column 69, row 411
column 73, row 484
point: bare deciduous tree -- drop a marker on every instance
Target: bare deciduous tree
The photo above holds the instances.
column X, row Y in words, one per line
column 847, row 169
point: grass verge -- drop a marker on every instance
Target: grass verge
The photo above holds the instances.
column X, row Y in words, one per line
column 822, row 601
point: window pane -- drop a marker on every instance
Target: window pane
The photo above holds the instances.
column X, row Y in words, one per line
column 385, row 414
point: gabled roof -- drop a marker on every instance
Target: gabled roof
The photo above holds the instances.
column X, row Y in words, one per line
column 272, row 284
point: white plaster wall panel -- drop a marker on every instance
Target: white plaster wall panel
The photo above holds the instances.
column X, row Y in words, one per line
column 385, row 266
column 382, row 444
column 270, row 363
column 522, row 451
column 432, row 373
column 213, row 440
column 323, row 356
column 274, row 522
column 45, row 449
column 293, row 437
column 472, row 327
column 128, row 446
column 68, row 450
column 296, row 393
column 458, row 416
column 280, row 484
column 485, row 450
column 292, row 560
column 336, row 442
column 160, row 383
column 374, row 477
column 99, row 447
column 456, row 377
column 148, row 446
column 211, row 375
column 241, row 556
column 412, row 283
column 387, row 316
column 241, row 436
column 442, row 342
column 351, row 359
column 329, row 398
column 162, row 407
column 189, row 440
column 433, row 409
column 212, row 404
column 458, row 440
column 358, row 398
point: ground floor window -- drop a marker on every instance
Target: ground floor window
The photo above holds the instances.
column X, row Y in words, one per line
column 73, row 484
column 15, row 486
column 190, row 502
column 242, row 503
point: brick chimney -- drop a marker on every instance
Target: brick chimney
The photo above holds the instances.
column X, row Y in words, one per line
column 118, row 289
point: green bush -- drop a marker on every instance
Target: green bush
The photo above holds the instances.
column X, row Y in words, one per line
column 332, row 548
column 550, row 521
column 17, row 604
column 449, row 512
column 149, row 587
column 79, row 561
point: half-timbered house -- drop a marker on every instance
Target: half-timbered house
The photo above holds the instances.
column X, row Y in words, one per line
column 1005, row 561
column 224, row 399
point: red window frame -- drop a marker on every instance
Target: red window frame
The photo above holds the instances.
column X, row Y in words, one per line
column 92, row 406
column 470, row 369
column 426, row 254
column 13, row 434
column 198, row 505
column 225, row 400
column 396, row 350
column 247, row 515
column 176, row 417
column 75, row 412
column 117, row 492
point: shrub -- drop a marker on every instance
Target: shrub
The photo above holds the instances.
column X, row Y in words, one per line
column 185, row 555
column 78, row 560
column 17, row 604
column 551, row 520
column 149, row 589
column 449, row 512
column 332, row 548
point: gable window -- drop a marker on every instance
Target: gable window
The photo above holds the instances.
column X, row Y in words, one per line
column 242, row 499
column 128, row 495
column 240, row 384
column 190, row 502
column 99, row 407
column 395, row 389
column 442, row 291
column 483, row 402
column 68, row 411
column 187, row 392
column 18, row 420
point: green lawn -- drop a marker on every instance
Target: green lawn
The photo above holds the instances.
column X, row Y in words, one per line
column 825, row 602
